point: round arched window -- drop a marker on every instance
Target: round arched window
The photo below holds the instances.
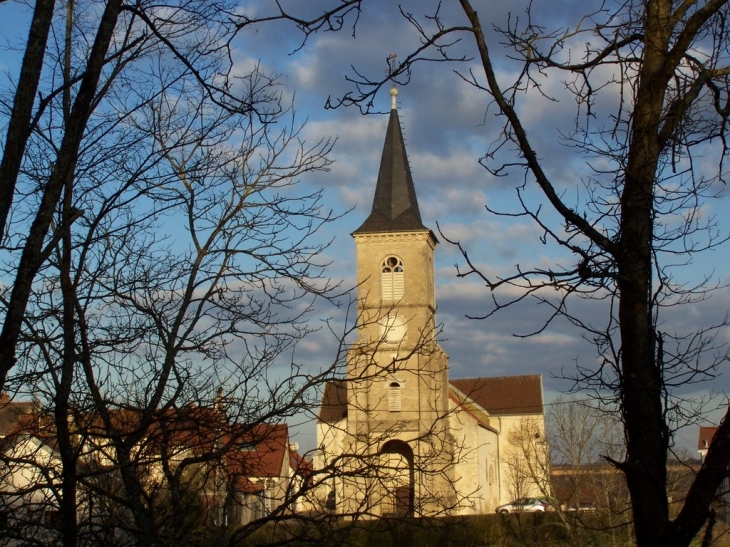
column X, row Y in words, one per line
column 392, row 278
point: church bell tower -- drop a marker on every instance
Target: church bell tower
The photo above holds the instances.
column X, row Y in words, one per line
column 397, row 399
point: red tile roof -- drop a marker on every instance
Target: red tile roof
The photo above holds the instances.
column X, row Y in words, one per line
column 498, row 396
column 11, row 412
column 504, row 395
column 334, row 402
column 261, row 452
column 253, row 451
column 246, row 450
column 299, row 464
column 705, row 438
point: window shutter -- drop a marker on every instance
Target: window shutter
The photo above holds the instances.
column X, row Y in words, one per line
column 394, row 397
column 397, row 285
column 387, row 286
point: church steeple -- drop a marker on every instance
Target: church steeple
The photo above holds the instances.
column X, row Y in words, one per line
column 395, row 207
column 397, row 374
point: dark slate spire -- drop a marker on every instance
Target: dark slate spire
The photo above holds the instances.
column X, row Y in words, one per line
column 395, row 207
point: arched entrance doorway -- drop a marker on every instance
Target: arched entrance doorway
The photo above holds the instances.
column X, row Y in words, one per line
column 397, row 472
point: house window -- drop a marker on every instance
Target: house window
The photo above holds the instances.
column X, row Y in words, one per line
column 394, row 397
column 392, row 278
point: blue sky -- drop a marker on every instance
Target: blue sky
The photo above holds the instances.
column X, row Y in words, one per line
column 448, row 125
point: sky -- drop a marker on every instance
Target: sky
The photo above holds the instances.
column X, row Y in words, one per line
column 448, row 126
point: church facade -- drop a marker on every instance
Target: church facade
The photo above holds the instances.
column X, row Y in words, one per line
column 396, row 436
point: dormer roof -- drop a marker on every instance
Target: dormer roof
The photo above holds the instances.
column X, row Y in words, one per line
column 395, row 207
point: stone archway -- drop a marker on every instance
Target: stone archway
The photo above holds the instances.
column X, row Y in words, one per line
column 398, row 479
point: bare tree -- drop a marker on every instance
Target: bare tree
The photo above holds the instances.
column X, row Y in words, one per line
column 159, row 247
column 156, row 316
column 642, row 214
column 62, row 96
column 580, row 438
column 527, row 461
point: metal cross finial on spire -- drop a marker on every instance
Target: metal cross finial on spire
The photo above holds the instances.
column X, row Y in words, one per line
column 391, row 64
column 391, row 72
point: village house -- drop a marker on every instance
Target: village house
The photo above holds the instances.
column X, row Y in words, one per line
column 237, row 473
column 704, row 441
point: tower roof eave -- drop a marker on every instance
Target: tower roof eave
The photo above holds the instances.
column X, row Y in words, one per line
column 369, row 231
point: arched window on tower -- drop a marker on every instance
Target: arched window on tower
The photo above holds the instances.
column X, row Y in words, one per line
column 392, row 278
column 394, row 397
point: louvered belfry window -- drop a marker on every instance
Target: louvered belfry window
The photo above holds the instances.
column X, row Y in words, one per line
column 394, row 397
column 392, row 278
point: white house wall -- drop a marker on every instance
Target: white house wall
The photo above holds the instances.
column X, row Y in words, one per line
column 506, row 425
column 477, row 452
column 330, row 444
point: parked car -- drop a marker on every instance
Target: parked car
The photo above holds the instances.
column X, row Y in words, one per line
column 581, row 507
column 523, row 505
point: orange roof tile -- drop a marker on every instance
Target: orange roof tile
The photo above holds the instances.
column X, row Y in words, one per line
column 260, row 450
column 11, row 412
column 334, row 402
column 260, row 453
column 504, row 395
column 705, row 437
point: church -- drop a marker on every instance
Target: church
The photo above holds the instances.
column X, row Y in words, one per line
column 396, row 436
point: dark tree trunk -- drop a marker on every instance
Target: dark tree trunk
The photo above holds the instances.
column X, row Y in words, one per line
column 20, row 119
column 33, row 254
column 642, row 384
column 664, row 34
